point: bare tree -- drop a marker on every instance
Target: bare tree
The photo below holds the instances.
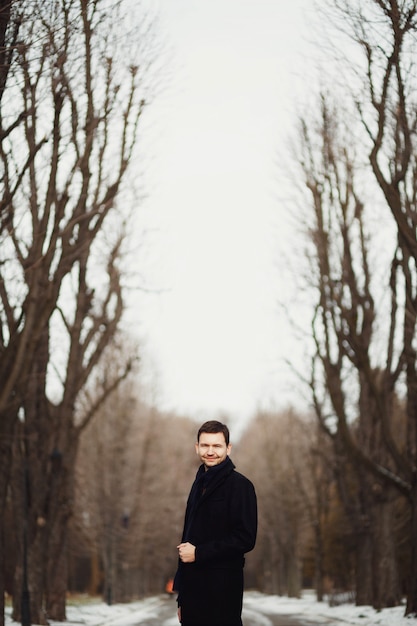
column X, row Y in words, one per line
column 314, row 478
column 269, row 453
column 81, row 96
column 382, row 90
column 354, row 399
column 106, row 481
column 390, row 120
column 9, row 28
column 134, row 467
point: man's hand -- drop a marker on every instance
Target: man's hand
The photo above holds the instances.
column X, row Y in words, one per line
column 186, row 552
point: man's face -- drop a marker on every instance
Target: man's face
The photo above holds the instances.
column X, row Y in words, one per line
column 212, row 449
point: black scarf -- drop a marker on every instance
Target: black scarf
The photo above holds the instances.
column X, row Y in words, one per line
column 202, row 481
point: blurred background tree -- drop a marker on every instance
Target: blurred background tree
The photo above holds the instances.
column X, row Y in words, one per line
column 357, row 167
column 70, row 116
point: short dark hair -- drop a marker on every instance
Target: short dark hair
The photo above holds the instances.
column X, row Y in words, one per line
column 213, row 426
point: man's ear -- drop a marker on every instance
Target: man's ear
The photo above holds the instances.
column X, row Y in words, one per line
column 196, row 447
column 229, row 448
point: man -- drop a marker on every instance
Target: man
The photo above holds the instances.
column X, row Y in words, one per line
column 219, row 528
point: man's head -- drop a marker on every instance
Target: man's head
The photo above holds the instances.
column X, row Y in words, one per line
column 213, row 443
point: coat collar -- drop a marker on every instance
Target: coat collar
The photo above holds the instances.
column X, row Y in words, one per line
column 207, row 480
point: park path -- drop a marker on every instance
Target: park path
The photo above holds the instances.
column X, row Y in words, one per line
column 251, row 617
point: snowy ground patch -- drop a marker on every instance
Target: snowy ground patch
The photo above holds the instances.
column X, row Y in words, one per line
column 308, row 607
column 141, row 611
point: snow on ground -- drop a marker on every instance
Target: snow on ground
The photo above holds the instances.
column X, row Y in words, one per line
column 95, row 613
column 347, row 614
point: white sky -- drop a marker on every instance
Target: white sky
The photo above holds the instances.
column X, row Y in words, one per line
column 214, row 339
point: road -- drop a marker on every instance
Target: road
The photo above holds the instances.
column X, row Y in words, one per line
column 167, row 617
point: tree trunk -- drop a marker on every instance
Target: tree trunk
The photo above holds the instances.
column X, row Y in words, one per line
column 364, row 573
column 2, row 554
column 387, row 591
column 35, row 577
column 411, row 608
column 31, row 548
column 56, row 589
column 96, row 574
column 2, row 573
column 357, row 506
column 271, row 566
column 60, row 509
column 319, row 562
column 46, row 542
column 293, row 573
column 5, row 457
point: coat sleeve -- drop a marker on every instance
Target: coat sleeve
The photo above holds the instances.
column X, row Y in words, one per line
column 240, row 536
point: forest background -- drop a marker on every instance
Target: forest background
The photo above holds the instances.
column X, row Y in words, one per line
column 93, row 478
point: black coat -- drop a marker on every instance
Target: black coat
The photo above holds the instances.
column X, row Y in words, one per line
column 221, row 521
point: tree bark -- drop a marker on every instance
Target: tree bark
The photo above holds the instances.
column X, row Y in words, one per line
column 31, row 545
column 5, row 48
column 7, row 423
column 387, row 591
column 319, row 561
column 364, row 575
column 61, row 504
column 411, row 608
column 293, row 574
